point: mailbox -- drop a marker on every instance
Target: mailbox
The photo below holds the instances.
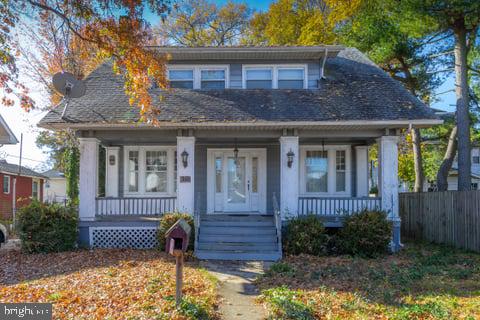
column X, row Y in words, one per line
column 177, row 237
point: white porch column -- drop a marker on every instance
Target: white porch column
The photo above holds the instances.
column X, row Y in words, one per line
column 111, row 174
column 186, row 175
column 361, row 157
column 388, row 183
column 88, row 178
column 289, row 176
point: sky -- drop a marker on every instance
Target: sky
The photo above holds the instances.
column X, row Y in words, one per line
column 22, row 122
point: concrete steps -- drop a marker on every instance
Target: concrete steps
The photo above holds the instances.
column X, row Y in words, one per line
column 237, row 237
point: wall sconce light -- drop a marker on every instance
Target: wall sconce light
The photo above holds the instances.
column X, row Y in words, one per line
column 185, row 158
column 290, row 156
column 111, row 160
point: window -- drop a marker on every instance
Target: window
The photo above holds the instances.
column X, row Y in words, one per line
column 6, row 184
column 156, row 171
column 316, row 165
column 474, row 186
column 260, row 78
column 218, row 174
column 181, row 78
column 340, row 171
column 212, row 79
column 476, row 159
column 254, row 174
column 325, row 170
column 150, row 170
column 35, row 193
column 289, row 78
column 133, row 171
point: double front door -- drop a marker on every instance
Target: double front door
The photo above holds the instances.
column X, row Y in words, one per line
column 237, row 181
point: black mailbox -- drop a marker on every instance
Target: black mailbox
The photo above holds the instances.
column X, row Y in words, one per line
column 177, row 237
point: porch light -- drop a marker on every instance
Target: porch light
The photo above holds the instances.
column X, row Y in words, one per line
column 290, row 156
column 184, row 158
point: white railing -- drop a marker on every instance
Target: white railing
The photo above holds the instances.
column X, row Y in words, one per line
column 277, row 215
column 337, row 206
column 135, row 206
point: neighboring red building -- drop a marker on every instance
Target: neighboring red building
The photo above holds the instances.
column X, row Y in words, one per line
column 25, row 184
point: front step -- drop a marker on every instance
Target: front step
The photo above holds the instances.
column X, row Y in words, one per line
column 237, row 237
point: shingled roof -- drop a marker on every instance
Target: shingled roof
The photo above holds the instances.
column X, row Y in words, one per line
column 11, row 168
column 354, row 90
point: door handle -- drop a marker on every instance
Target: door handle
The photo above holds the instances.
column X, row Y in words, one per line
column 248, row 185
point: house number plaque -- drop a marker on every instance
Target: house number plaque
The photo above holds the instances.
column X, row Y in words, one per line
column 185, row 179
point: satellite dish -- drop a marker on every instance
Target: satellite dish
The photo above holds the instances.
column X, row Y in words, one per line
column 68, row 86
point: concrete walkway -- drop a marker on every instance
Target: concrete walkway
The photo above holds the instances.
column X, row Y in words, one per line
column 237, row 290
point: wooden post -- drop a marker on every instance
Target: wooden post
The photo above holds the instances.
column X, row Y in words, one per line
column 179, row 276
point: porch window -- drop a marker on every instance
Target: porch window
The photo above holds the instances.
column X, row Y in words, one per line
column 218, row 174
column 133, row 171
column 341, row 170
column 212, row 79
column 6, row 184
column 181, row 78
column 156, row 171
column 290, row 78
column 316, row 164
column 259, row 78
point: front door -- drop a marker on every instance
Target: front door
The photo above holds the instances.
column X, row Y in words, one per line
column 238, row 183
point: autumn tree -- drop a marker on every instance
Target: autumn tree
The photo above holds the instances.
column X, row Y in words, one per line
column 204, row 23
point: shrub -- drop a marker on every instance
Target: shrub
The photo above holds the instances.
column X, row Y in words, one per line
column 305, row 234
column 366, row 234
column 280, row 268
column 169, row 220
column 47, row 227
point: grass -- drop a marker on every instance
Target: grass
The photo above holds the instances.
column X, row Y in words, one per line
column 421, row 282
column 107, row 284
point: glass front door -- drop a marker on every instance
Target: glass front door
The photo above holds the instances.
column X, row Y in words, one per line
column 236, row 185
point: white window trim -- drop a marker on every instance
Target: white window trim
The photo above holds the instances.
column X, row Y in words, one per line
column 142, row 169
column 331, row 183
column 275, row 68
column 38, row 189
column 197, row 72
column 9, row 181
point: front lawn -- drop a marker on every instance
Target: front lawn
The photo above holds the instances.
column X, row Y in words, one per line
column 421, row 282
column 107, row 284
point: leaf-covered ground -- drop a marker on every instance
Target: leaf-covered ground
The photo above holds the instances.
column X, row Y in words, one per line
column 107, row 284
column 422, row 282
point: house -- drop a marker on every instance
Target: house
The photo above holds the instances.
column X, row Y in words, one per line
column 453, row 174
column 55, row 188
column 19, row 186
column 6, row 134
column 247, row 137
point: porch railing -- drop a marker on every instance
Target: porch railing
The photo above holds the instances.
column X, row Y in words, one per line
column 135, row 206
column 277, row 215
column 336, row 206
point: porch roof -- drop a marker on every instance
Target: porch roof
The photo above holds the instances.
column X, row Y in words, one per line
column 355, row 92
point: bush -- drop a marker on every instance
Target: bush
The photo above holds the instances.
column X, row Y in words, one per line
column 305, row 234
column 366, row 234
column 285, row 304
column 47, row 227
column 169, row 220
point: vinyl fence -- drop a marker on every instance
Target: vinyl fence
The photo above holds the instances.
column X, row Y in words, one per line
column 450, row 217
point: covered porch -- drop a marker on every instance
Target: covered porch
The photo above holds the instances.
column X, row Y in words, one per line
column 212, row 173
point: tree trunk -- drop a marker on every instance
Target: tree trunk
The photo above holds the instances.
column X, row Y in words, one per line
column 463, row 119
column 417, row 159
column 442, row 174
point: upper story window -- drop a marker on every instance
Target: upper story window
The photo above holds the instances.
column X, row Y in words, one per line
column 290, row 78
column 259, row 78
column 181, row 78
column 205, row 77
column 275, row 76
column 212, row 79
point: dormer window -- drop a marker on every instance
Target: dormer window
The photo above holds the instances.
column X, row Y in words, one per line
column 291, row 78
column 181, row 78
column 284, row 76
column 212, row 78
column 259, row 78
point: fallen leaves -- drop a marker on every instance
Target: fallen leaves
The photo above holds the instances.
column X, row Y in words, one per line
column 103, row 284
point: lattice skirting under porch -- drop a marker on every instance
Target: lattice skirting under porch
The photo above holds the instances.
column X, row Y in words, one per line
column 123, row 237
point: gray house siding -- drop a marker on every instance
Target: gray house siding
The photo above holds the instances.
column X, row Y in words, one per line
column 236, row 76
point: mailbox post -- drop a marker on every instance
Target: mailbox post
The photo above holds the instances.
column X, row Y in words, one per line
column 176, row 244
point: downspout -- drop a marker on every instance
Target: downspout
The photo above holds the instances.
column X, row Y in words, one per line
column 322, row 66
